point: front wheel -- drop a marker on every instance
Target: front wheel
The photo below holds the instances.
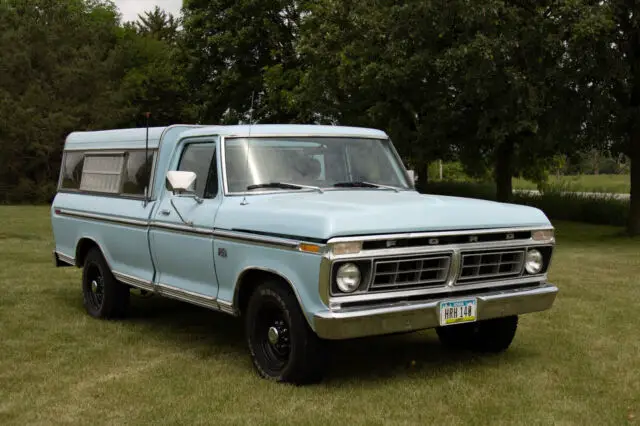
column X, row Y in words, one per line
column 283, row 347
column 493, row 335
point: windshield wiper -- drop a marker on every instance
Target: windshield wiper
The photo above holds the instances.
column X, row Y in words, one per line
column 362, row 184
column 282, row 185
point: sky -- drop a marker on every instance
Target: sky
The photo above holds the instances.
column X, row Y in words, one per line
column 130, row 9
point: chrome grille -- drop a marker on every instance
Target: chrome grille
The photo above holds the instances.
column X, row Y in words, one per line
column 411, row 272
column 479, row 266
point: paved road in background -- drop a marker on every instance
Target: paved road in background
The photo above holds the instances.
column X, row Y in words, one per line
column 623, row 197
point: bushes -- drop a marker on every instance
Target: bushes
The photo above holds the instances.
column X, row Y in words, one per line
column 556, row 203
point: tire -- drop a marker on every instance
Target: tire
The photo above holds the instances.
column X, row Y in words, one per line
column 494, row 335
column 292, row 353
column 104, row 297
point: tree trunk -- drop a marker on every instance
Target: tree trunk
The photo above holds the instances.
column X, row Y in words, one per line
column 633, row 140
column 422, row 171
column 504, row 171
column 633, row 225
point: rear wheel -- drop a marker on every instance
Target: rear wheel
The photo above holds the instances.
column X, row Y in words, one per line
column 283, row 347
column 493, row 335
column 104, row 296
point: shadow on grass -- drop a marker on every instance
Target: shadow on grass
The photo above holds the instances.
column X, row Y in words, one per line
column 367, row 359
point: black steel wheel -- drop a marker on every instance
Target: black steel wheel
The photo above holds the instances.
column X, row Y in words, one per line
column 493, row 335
column 95, row 292
column 283, row 347
column 104, row 296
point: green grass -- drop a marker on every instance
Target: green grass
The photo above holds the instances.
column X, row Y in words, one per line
column 619, row 184
column 172, row 363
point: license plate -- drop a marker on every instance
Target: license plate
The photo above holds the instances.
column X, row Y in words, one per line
column 458, row 311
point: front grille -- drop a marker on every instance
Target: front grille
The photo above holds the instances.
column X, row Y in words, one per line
column 483, row 265
column 402, row 273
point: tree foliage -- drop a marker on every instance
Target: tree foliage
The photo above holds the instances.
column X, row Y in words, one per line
column 230, row 44
column 69, row 65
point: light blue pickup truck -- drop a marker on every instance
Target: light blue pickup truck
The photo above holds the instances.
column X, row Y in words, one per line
column 309, row 233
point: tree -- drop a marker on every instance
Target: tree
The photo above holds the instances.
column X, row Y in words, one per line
column 483, row 80
column 158, row 24
column 230, row 44
column 373, row 63
column 54, row 78
column 513, row 86
column 69, row 65
column 607, row 42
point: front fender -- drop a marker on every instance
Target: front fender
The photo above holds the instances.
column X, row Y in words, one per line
column 301, row 270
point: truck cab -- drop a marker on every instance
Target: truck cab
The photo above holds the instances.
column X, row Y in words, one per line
column 308, row 233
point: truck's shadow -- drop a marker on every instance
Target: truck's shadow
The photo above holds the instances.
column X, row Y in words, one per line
column 364, row 359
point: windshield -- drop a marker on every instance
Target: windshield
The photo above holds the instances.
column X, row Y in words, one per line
column 267, row 164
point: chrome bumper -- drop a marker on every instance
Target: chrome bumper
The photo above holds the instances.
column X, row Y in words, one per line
column 411, row 316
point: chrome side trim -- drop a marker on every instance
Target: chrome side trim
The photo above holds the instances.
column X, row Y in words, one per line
column 134, row 281
column 409, row 235
column 177, row 293
column 102, row 217
column 411, row 316
column 216, row 233
column 182, row 228
column 227, row 307
column 195, row 298
column 61, row 257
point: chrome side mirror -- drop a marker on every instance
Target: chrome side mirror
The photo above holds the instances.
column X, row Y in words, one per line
column 182, row 184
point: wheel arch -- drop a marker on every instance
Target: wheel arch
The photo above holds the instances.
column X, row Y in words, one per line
column 250, row 278
column 84, row 245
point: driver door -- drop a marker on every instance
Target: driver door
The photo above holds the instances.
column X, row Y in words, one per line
column 181, row 236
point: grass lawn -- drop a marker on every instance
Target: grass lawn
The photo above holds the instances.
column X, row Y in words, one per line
column 619, row 184
column 173, row 363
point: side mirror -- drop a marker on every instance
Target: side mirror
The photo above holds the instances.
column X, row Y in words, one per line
column 181, row 182
column 412, row 176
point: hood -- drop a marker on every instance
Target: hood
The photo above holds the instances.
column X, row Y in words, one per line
column 357, row 212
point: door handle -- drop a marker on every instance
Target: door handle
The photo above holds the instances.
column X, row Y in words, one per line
column 165, row 212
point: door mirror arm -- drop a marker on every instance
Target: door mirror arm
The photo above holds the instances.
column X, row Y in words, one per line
column 179, row 215
column 181, row 184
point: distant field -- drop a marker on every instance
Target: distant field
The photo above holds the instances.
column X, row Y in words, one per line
column 583, row 183
column 172, row 363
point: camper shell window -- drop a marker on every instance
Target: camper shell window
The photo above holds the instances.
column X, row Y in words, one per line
column 125, row 173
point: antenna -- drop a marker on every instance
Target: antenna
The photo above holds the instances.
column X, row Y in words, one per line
column 244, row 201
column 146, row 159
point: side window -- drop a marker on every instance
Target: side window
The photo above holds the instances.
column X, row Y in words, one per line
column 200, row 159
column 137, row 173
column 72, row 170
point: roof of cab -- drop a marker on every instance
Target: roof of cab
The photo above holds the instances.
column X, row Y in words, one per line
column 284, row 130
column 136, row 138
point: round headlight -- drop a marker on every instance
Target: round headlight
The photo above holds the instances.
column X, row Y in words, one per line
column 348, row 278
column 533, row 262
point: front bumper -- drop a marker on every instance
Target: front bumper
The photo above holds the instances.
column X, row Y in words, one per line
column 411, row 316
